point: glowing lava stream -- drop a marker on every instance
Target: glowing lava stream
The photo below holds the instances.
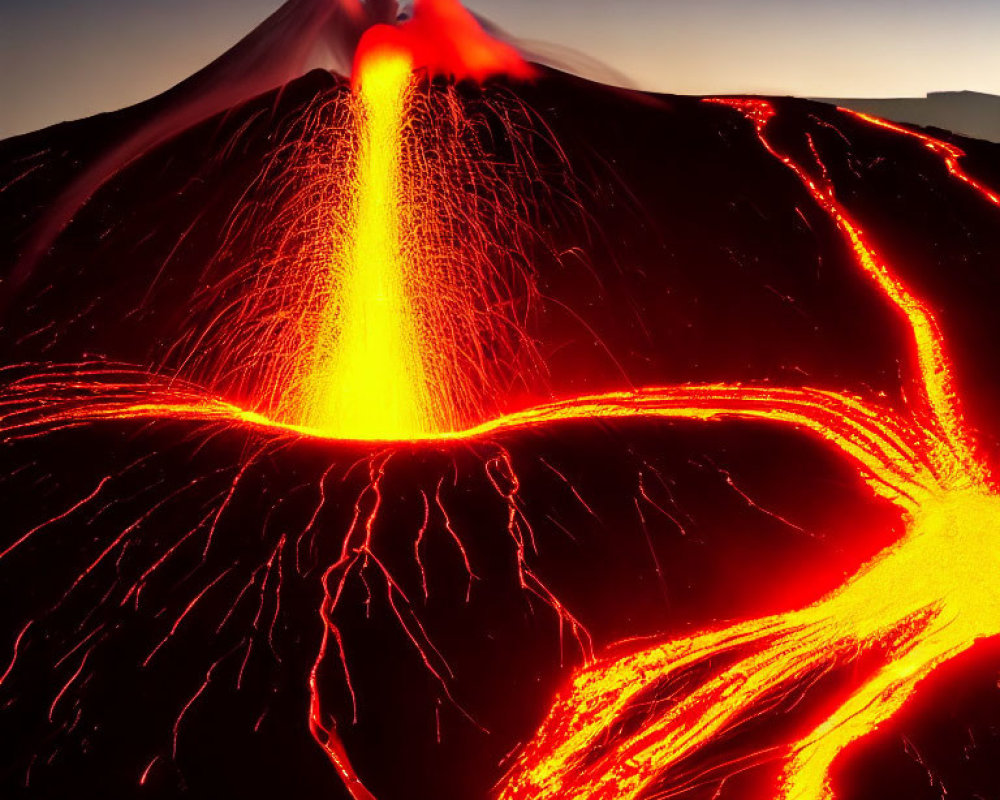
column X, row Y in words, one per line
column 917, row 604
column 950, row 154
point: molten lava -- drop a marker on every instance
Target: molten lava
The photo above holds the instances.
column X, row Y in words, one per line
column 387, row 295
column 380, row 368
column 367, row 378
column 917, row 604
column 443, row 39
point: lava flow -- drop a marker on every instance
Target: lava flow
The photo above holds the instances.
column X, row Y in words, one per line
column 950, row 154
column 916, row 605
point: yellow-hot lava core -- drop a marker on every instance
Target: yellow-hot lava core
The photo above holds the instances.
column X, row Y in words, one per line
column 366, row 375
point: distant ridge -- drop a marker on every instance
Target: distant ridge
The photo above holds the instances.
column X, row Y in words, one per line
column 969, row 113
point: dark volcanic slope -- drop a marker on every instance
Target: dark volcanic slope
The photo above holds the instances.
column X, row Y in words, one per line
column 674, row 249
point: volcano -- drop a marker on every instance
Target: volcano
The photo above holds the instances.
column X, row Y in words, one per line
column 436, row 431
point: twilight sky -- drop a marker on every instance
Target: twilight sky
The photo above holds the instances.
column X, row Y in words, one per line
column 65, row 59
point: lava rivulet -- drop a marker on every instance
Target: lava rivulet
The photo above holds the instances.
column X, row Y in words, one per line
column 950, row 154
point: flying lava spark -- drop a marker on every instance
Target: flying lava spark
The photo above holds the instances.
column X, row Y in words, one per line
column 387, row 308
